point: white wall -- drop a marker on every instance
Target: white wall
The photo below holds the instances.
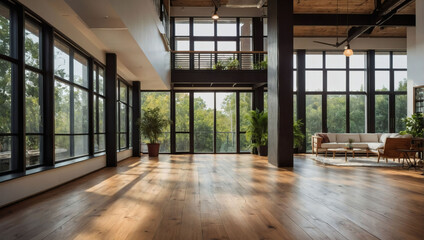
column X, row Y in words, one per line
column 416, row 54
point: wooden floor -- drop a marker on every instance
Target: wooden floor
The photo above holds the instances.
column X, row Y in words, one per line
column 224, row 197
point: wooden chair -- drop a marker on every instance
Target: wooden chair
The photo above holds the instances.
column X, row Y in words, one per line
column 391, row 147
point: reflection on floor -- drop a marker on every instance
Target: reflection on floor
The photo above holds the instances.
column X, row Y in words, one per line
column 224, row 197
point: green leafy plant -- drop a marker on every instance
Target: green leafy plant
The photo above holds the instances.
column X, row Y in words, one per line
column 232, row 64
column 257, row 131
column 220, row 65
column 298, row 136
column 414, row 125
column 152, row 124
column 262, row 65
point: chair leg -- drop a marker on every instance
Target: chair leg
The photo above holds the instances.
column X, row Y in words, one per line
column 378, row 160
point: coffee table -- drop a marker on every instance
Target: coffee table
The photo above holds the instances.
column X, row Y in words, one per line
column 345, row 151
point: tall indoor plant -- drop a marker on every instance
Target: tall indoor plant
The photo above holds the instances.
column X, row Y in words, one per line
column 414, row 125
column 151, row 126
column 298, row 136
column 257, row 131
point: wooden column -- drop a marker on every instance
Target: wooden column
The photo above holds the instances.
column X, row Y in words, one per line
column 280, row 83
column 136, row 115
column 258, row 99
column 111, row 76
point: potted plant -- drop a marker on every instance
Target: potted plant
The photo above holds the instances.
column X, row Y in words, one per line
column 257, row 131
column 232, row 64
column 220, row 65
column 151, row 127
column 414, row 125
column 298, row 136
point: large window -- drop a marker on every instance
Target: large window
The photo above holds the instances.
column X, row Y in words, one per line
column 204, row 105
column 99, row 121
column 71, row 102
column 161, row 100
column 182, row 122
column 124, row 115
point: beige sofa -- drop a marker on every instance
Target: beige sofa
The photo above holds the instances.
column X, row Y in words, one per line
column 367, row 141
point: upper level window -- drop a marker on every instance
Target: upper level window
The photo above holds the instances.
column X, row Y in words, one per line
column 61, row 60
column 182, row 27
column 204, row 27
column 32, row 44
column 227, row 27
column 246, row 29
column 382, row 60
column 5, row 30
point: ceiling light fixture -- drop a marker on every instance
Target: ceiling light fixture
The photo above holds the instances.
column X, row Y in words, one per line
column 348, row 51
column 215, row 15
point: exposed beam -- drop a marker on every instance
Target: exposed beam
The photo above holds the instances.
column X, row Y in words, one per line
column 354, row 20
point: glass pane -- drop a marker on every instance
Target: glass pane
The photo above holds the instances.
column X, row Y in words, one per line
column 80, row 111
column 335, row 60
column 357, row 81
column 336, row 113
column 400, row 60
column 400, row 112
column 130, row 125
column 95, row 114
column 182, row 44
column 313, row 60
column 227, row 46
column 33, row 146
column 32, row 44
column 102, row 116
column 382, row 60
column 265, row 22
column 357, row 113
column 130, row 97
column 295, row 81
column 99, row 142
column 226, row 123
column 244, row 143
column 62, row 147
column 122, row 92
column 246, row 27
column 62, row 107
column 5, row 96
column 182, row 112
column 336, row 81
column 203, row 122
column 5, row 30
column 5, row 153
column 266, row 101
column 246, row 44
column 204, row 46
column 294, row 60
column 81, row 145
column 123, row 140
column 245, row 108
column 313, row 121
column 61, row 60
column 203, row 27
column 95, row 79
column 182, row 142
column 162, row 100
column 33, row 113
column 382, row 113
column 382, row 81
column 227, row 27
column 80, row 70
column 182, row 27
column 401, row 80
column 101, row 81
column 123, row 117
column 294, row 107
column 358, row 60
column 313, row 81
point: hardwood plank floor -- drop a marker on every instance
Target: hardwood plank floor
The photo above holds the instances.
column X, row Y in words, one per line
column 224, row 197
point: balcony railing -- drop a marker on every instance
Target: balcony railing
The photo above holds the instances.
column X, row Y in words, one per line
column 219, row 60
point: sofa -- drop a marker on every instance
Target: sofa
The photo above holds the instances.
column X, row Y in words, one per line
column 370, row 142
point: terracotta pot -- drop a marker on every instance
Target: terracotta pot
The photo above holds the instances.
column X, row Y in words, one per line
column 153, row 149
column 263, row 150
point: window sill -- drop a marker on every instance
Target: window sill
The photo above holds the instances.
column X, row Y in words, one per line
column 36, row 170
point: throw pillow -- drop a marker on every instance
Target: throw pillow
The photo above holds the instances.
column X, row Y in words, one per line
column 324, row 137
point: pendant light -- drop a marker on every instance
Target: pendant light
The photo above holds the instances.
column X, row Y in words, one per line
column 348, row 51
column 215, row 15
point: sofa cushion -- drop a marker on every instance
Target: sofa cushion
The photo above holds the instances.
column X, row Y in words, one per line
column 332, row 137
column 369, row 137
column 333, row 145
column 360, row 145
column 344, row 137
column 324, row 137
column 384, row 136
column 375, row 146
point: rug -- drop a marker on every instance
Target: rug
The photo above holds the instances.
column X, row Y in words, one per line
column 358, row 161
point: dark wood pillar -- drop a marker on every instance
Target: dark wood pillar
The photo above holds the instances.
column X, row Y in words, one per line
column 258, row 99
column 301, row 93
column 371, row 92
column 280, row 83
column 136, row 115
column 111, row 76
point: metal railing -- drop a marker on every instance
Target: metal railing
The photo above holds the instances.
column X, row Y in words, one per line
column 219, row 60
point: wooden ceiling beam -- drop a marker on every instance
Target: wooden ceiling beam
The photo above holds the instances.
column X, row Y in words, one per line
column 354, row 20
